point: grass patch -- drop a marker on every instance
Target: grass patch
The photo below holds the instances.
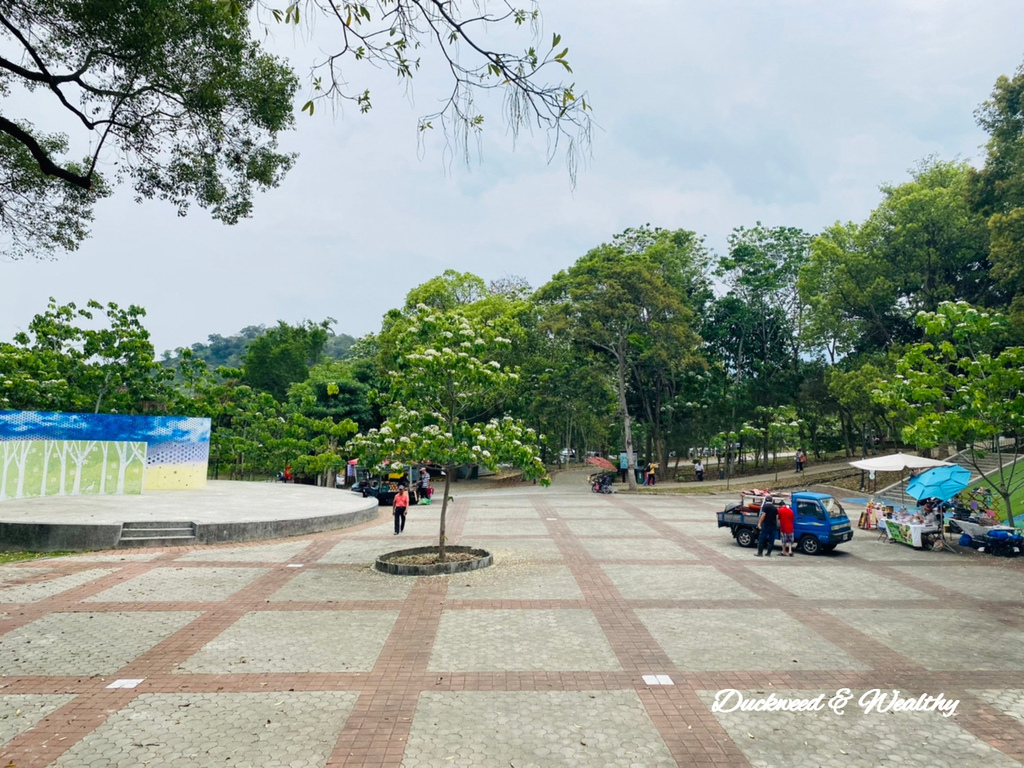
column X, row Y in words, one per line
column 17, row 557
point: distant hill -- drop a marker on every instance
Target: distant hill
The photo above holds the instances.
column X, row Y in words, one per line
column 228, row 350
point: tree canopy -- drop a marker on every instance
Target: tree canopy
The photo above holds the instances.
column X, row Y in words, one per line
column 176, row 90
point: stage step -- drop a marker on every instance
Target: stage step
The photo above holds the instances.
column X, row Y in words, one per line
column 157, row 534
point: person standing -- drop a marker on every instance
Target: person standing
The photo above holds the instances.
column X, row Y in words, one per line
column 767, row 523
column 698, row 468
column 786, row 529
column 652, row 473
column 425, row 484
column 399, row 507
column 623, row 466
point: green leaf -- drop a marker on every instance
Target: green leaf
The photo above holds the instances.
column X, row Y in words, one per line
column 308, row 107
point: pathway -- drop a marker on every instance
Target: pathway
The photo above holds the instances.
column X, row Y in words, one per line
column 294, row 653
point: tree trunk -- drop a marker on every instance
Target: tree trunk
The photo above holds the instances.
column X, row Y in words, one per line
column 448, row 470
column 627, row 428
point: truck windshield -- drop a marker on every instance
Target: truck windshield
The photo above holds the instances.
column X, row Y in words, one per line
column 833, row 507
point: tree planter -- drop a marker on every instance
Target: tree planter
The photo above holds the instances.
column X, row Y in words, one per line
column 385, row 563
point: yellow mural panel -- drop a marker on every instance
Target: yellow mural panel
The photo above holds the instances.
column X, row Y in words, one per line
column 175, row 477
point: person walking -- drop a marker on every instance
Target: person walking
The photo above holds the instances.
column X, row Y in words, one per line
column 399, row 507
column 766, row 523
column 698, row 468
column 786, row 529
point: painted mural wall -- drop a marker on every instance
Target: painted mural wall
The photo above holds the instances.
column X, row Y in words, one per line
column 177, row 448
column 70, row 467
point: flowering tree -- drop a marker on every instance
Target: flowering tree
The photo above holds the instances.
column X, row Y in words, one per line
column 962, row 385
column 441, row 405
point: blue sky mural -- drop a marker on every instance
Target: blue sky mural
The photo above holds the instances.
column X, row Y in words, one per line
column 44, row 425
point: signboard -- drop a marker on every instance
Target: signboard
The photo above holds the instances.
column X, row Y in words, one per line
column 900, row 533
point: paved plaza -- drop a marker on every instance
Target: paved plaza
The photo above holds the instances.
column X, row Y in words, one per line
column 600, row 637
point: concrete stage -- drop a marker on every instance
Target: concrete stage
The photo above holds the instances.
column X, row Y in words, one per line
column 223, row 511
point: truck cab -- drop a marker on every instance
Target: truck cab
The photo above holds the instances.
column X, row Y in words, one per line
column 820, row 523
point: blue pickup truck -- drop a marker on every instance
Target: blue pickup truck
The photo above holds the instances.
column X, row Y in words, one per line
column 819, row 522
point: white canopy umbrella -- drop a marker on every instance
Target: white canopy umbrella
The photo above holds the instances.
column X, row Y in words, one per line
column 897, row 462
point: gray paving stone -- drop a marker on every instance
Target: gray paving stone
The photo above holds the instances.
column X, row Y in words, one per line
column 113, row 558
column 522, row 641
column 334, row 584
column 867, row 545
column 502, row 513
column 635, row 549
column 21, row 572
column 671, row 582
column 840, row 583
column 591, row 509
column 511, row 551
column 724, row 544
column 504, row 528
column 681, row 514
column 18, row 713
column 695, row 527
column 85, row 643
column 582, row 729
column 981, row 581
column 507, row 502
column 40, row 590
column 295, row 641
column 813, row 739
column 611, row 528
column 740, row 640
column 283, row 552
column 954, row 639
column 511, row 581
column 200, row 585
column 361, row 552
column 212, row 730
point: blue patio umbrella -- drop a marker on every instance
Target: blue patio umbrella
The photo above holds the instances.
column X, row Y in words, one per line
column 942, row 483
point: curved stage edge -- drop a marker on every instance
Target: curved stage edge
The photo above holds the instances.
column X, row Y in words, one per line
column 222, row 512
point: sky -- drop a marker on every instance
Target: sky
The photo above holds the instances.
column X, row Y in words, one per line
column 709, row 116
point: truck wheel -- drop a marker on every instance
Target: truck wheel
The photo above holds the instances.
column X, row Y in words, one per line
column 809, row 545
column 745, row 538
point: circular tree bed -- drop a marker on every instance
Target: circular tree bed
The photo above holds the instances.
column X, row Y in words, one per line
column 422, row 561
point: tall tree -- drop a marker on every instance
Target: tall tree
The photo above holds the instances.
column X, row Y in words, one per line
column 283, row 356
column 999, row 186
column 863, row 284
column 176, row 92
column 630, row 308
column 93, row 358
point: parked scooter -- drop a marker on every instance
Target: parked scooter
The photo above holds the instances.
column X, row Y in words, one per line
column 601, row 483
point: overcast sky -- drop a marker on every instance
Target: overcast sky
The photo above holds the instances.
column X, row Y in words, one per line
column 711, row 116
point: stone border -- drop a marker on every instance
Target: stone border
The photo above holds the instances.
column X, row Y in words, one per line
column 57, row 537
column 484, row 559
